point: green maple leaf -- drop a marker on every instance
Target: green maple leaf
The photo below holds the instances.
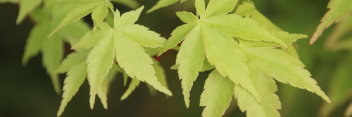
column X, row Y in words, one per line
column 217, row 95
column 224, row 40
column 116, row 44
column 26, row 7
column 270, row 104
column 338, row 10
column 52, row 47
column 200, row 32
column 98, row 8
column 76, row 67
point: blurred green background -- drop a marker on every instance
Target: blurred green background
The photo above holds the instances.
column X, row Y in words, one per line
column 26, row 91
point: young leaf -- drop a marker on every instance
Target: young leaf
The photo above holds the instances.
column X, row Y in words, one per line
column 339, row 9
column 129, row 18
column 187, row 17
column 270, row 101
column 91, row 38
column 71, row 60
column 217, row 95
column 248, row 9
column 133, row 85
column 52, row 55
column 177, row 36
column 284, row 68
column 145, row 36
column 26, row 6
column 100, row 61
column 103, row 89
column 161, row 4
column 137, row 65
column 244, row 28
column 35, row 42
column 75, row 78
column 220, row 7
column 223, row 52
column 190, row 60
column 200, row 7
column 76, row 14
column 100, row 13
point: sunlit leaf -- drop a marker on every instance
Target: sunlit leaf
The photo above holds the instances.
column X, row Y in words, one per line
column 217, row 95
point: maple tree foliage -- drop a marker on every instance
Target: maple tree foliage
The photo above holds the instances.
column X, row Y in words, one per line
column 245, row 53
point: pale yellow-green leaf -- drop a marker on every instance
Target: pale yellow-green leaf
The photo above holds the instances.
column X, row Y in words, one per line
column 76, row 14
column 217, row 95
column 75, row 78
column 35, row 42
column 187, row 17
column 91, row 38
column 100, row 61
column 103, row 89
column 137, row 64
column 129, row 18
column 26, row 6
column 284, row 68
column 190, row 60
column 161, row 4
column 133, row 85
column 177, row 36
column 142, row 35
column 270, row 101
column 224, row 53
column 244, row 28
column 100, row 13
column 248, row 9
column 220, row 7
column 71, row 60
column 338, row 10
column 200, row 7
column 53, row 52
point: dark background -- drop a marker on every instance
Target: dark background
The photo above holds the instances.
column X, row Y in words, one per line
column 26, row 91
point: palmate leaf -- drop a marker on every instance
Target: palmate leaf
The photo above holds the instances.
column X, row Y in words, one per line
column 26, row 6
column 76, row 67
column 100, row 61
column 190, row 60
column 135, row 83
column 230, row 64
column 234, row 60
column 132, row 86
column 284, row 68
column 53, row 52
column 103, row 89
column 266, row 87
column 117, row 44
column 338, row 10
column 163, row 3
column 217, row 95
column 75, row 78
column 77, row 13
column 35, row 42
column 217, row 40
